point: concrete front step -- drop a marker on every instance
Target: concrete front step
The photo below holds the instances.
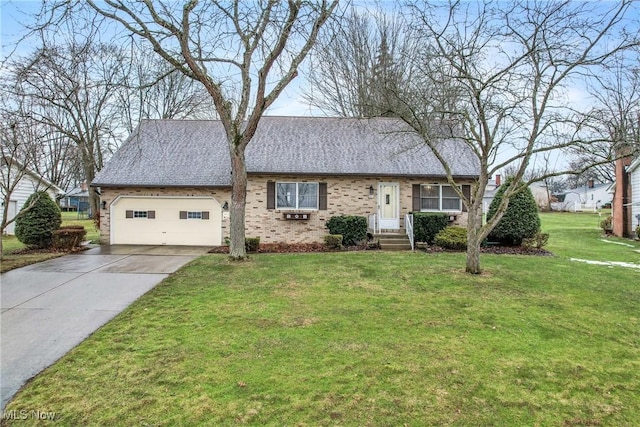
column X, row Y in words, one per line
column 395, row 247
column 393, row 242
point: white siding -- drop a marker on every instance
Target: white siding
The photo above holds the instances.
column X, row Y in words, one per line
column 585, row 198
column 635, row 196
column 25, row 188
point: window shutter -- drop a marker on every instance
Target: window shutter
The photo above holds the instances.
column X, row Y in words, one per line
column 129, row 214
column 271, row 195
column 205, row 214
column 151, row 214
column 466, row 190
column 183, row 214
column 415, row 192
column 322, row 196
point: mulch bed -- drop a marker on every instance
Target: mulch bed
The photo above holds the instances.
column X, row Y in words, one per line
column 498, row 250
column 281, row 248
column 284, row 248
column 33, row 251
column 515, row 250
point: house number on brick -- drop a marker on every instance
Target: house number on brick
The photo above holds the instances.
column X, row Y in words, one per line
column 296, row 216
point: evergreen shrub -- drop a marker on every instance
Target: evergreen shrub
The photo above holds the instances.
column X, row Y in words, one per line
column 37, row 221
column 426, row 225
column 454, row 238
column 520, row 220
column 352, row 228
column 333, row 241
column 252, row 244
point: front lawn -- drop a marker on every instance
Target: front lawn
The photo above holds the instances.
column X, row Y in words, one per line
column 367, row 338
column 14, row 254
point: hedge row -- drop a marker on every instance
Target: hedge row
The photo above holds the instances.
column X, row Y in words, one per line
column 352, row 228
column 426, row 225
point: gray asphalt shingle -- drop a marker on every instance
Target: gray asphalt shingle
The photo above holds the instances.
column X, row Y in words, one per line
column 195, row 152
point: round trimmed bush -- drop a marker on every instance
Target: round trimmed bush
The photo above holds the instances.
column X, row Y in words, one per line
column 35, row 226
column 520, row 220
column 453, row 237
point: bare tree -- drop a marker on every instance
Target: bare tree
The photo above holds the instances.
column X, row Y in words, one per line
column 19, row 143
column 56, row 158
column 72, row 87
column 503, row 70
column 244, row 53
column 153, row 89
column 616, row 116
column 59, row 160
column 354, row 68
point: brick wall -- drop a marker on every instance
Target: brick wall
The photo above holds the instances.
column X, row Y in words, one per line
column 345, row 196
column 621, row 197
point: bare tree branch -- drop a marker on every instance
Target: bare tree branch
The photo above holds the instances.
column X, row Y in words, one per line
column 503, row 70
column 244, row 54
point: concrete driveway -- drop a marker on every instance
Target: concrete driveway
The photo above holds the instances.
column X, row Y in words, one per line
column 50, row 307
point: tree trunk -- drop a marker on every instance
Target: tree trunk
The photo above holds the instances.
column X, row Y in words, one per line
column 89, row 169
column 237, row 250
column 474, row 240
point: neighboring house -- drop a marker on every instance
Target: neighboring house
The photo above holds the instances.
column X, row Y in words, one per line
column 170, row 182
column 76, row 200
column 28, row 184
column 634, row 200
column 591, row 196
column 624, row 196
column 490, row 192
column 538, row 190
column 540, row 194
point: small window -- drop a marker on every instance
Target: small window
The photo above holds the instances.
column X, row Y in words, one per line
column 194, row 215
column 297, row 195
column 140, row 214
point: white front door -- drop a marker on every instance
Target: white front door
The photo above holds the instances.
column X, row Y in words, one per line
column 389, row 205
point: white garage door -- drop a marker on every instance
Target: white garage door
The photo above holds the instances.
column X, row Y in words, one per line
column 166, row 221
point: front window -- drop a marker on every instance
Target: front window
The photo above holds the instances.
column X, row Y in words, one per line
column 140, row 214
column 297, row 195
column 437, row 197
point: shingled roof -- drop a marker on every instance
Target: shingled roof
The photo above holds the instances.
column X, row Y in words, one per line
column 195, row 153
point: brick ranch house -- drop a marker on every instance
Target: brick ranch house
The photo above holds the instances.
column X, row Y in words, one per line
column 170, row 182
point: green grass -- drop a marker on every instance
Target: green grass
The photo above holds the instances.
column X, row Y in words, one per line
column 71, row 218
column 367, row 338
column 580, row 236
column 10, row 245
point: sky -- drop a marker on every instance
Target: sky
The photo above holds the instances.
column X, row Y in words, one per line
column 15, row 13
